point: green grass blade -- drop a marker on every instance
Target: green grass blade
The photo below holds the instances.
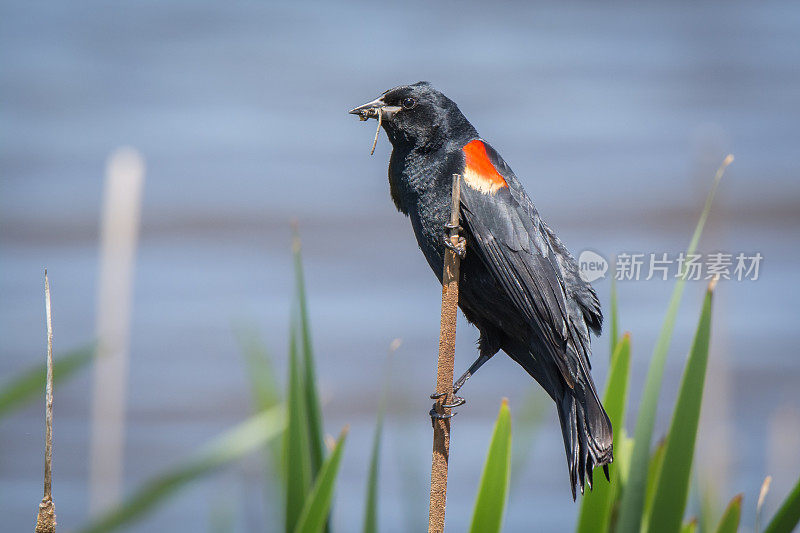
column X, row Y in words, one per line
column 260, row 372
column 315, row 512
column 491, row 501
column 235, row 443
column 653, row 471
column 413, row 482
column 371, row 507
column 622, row 458
column 29, row 385
column 788, row 514
column 527, row 421
column 622, row 466
column 730, row 519
column 265, row 392
column 596, row 505
column 698, row 230
column 614, row 317
column 616, row 395
column 707, row 505
column 633, row 499
column 672, row 491
column 296, row 452
column 313, row 410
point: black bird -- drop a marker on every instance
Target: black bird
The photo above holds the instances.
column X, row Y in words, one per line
column 519, row 285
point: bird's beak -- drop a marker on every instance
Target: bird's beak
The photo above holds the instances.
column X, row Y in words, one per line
column 374, row 108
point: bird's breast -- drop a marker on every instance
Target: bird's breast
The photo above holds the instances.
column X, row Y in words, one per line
column 421, row 189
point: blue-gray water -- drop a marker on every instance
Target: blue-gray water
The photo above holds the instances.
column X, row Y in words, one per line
column 614, row 117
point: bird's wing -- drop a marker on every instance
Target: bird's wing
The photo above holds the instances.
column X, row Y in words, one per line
column 531, row 265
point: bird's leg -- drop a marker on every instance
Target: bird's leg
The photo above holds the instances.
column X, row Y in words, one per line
column 460, row 248
column 482, row 358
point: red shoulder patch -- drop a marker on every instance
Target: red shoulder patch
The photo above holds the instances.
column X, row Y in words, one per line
column 479, row 172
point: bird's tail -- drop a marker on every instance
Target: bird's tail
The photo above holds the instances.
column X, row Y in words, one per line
column 587, row 433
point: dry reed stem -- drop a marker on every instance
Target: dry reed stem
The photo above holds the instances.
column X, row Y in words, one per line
column 444, row 375
column 761, row 496
column 377, row 132
column 124, row 181
column 46, row 520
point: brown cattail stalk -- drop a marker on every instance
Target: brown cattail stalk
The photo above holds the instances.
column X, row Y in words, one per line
column 46, row 521
column 444, row 376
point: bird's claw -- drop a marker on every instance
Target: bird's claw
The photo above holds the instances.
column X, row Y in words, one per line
column 460, row 248
column 440, row 416
column 435, row 415
column 457, row 401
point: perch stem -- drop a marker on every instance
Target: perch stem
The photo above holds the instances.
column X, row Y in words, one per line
column 444, row 375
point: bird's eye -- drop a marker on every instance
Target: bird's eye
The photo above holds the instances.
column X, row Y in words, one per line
column 409, row 103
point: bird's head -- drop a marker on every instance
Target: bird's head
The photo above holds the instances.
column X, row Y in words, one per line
column 416, row 115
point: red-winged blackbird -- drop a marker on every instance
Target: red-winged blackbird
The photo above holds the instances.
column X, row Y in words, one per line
column 519, row 285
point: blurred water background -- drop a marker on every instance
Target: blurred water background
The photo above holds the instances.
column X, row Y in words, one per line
column 614, row 116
